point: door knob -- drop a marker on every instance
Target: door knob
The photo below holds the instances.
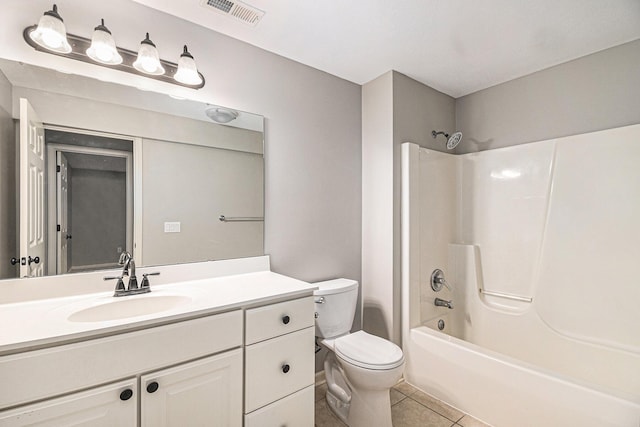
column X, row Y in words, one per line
column 14, row 261
column 35, row 260
column 68, row 236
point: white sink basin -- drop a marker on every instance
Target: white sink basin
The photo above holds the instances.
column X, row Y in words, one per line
column 131, row 306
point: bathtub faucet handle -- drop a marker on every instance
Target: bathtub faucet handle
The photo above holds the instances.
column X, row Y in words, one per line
column 438, row 280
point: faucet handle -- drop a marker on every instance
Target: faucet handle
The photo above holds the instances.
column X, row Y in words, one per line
column 145, row 280
column 120, row 289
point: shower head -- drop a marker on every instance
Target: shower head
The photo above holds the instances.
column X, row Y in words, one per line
column 451, row 142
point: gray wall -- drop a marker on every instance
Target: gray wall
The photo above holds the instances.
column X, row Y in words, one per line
column 7, row 183
column 313, row 133
column 592, row 93
column 194, row 185
column 98, row 216
column 396, row 109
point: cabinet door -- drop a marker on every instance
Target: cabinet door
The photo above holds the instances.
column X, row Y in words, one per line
column 107, row 406
column 207, row 392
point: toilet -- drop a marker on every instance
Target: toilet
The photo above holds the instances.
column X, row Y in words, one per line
column 360, row 368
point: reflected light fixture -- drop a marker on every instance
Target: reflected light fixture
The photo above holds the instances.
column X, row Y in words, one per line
column 148, row 61
column 103, row 47
column 187, row 71
column 50, row 36
column 51, row 33
column 221, row 115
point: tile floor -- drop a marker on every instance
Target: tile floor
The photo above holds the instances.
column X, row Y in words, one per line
column 409, row 408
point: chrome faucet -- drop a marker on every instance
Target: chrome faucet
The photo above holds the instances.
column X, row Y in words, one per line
column 129, row 269
column 126, row 260
column 443, row 303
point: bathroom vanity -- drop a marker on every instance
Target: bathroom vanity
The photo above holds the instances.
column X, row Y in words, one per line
column 231, row 349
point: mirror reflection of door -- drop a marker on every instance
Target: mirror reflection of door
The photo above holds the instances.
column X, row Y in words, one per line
column 62, row 204
column 32, row 236
column 90, row 212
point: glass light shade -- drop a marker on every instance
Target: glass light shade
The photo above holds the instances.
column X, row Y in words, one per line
column 148, row 61
column 103, row 47
column 221, row 115
column 51, row 33
column 187, row 71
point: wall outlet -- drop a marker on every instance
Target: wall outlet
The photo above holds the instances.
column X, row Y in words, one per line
column 171, row 227
column 119, row 250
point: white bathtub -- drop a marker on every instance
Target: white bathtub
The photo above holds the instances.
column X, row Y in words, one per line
column 543, row 271
column 502, row 391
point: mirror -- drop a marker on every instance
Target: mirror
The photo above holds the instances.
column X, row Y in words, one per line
column 89, row 169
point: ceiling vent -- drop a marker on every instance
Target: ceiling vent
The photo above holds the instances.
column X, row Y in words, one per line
column 235, row 9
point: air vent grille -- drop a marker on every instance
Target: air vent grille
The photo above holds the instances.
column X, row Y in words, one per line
column 235, row 9
column 223, row 5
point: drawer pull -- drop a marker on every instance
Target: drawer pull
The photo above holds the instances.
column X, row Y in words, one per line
column 286, row 319
column 286, row 368
column 152, row 387
column 126, row 394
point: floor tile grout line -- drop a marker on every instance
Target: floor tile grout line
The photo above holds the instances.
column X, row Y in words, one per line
column 431, row 409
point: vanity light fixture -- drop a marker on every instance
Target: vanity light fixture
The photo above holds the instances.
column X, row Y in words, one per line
column 187, row 71
column 51, row 33
column 50, row 36
column 148, row 61
column 103, row 47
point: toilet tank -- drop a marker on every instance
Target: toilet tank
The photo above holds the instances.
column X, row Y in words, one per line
column 335, row 306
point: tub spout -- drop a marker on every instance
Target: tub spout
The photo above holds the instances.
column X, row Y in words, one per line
column 443, row 303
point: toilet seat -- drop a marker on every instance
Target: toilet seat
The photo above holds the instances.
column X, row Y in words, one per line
column 368, row 351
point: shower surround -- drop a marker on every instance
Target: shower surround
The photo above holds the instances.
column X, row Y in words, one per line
column 539, row 243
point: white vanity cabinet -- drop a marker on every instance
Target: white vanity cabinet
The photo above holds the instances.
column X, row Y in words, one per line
column 279, row 364
column 243, row 355
column 197, row 364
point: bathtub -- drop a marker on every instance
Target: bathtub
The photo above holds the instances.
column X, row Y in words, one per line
column 503, row 391
column 543, row 277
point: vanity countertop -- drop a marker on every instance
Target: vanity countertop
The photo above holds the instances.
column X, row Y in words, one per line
column 42, row 323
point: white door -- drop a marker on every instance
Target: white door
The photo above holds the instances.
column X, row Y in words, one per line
column 108, row 406
column 206, row 392
column 32, row 209
column 62, row 179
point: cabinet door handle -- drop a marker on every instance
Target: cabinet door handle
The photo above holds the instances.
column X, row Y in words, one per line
column 152, row 387
column 286, row 320
column 126, row 394
column 286, row 368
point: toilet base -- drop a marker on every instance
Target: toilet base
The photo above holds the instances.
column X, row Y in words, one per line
column 357, row 396
column 370, row 408
column 341, row 410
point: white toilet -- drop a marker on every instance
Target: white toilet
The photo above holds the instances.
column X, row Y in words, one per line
column 360, row 368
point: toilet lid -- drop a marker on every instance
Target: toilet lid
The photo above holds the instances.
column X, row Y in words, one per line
column 368, row 351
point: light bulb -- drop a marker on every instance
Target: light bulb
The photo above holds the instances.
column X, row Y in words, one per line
column 148, row 61
column 103, row 47
column 187, row 71
column 51, row 32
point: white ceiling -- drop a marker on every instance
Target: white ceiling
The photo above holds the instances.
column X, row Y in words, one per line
column 455, row 46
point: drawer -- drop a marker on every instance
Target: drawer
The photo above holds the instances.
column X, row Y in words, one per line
column 62, row 369
column 278, row 367
column 278, row 319
column 296, row 410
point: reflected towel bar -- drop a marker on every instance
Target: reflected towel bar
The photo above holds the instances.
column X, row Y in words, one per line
column 240, row 218
column 507, row 296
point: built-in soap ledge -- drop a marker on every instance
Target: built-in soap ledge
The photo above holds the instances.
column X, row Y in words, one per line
column 65, row 285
